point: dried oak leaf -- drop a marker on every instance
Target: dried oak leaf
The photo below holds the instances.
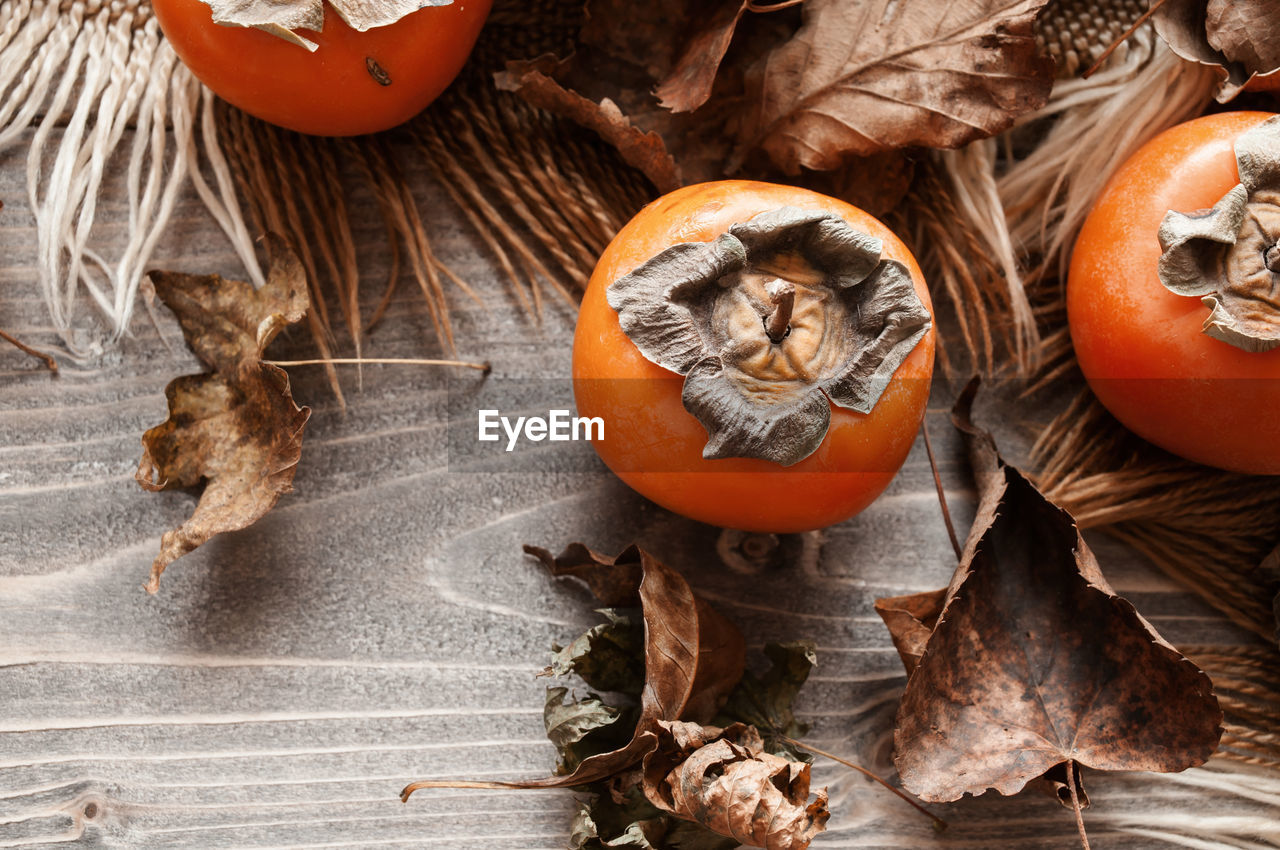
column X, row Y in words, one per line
column 237, row 428
column 863, row 77
column 1034, row 661
column 723, row 779
column 1240, row 39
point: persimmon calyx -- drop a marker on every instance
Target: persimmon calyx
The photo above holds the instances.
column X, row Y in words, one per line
column 770, row 324
column 283, row 17
column 1228, row 255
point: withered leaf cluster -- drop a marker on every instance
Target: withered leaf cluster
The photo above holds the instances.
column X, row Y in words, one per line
column 694, row 90
column 235, row 429
column 1239, row 39
column 660, row 670
column 1029, row 660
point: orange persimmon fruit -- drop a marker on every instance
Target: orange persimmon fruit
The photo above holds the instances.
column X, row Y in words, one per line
column 1143, row 347
column 656, row 445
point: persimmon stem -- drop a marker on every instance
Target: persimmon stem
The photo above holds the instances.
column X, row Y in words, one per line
column 1106, row 54
column 938, row 823
column 1271, row 258
column 779, row 321
column 485, row 367
column 49, row 362
column 937, row 483
column 1072, row 767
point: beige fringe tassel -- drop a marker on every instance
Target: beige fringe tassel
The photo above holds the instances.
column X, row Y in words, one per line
column 92, row 91
column 1208, row 528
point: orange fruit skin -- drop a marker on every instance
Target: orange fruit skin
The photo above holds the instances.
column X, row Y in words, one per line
column 654, row 445
column 329, row 92
column 1140, row 346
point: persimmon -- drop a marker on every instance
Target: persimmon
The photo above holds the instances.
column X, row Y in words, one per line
column 352, row 82
column 761, row 355
column 1178, row 339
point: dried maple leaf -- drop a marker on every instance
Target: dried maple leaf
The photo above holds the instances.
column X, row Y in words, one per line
column 1034, row 660
column 1240, row 39
column 863, row 77
column 723, row 779
column 236, row 428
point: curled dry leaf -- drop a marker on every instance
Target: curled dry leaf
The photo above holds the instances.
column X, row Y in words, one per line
column 723, row 779
column 282, row 17
column 237, row 428
column 689, row 84
column 1240, row 39
column 1034, row 661
column 863, row 77
column 693, row 656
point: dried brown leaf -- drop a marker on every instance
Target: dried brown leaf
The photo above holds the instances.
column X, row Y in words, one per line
column 1240, row 39
column 725, row 781
column 689, row 84
column 1035, row 661
column 695, row 52
column 910, row 620
column 237, row 428
column 539, row 81
column 693, row 656
column 860, row 78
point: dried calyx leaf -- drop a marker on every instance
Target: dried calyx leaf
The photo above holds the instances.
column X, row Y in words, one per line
column 860, row 78
column 282, row 17
column 1034, row 661
column 724, row 780
column 1229, row 255
column 237, row 429
column 770, row 324
column 1238, row 38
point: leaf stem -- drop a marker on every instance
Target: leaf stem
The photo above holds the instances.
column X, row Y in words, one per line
column 1106, row 54
column 937, row 483
column 1072, row 767
column 49, row 362
column 938, row 823
column 457, row 783
column 764, row 9
column 485, row 367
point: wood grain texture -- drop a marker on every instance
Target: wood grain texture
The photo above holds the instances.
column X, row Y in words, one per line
column 381, row 624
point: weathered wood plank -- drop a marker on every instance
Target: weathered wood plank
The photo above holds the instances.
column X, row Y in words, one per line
column 382, row 625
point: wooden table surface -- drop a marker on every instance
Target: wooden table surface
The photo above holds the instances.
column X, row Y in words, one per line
column 381, row 624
